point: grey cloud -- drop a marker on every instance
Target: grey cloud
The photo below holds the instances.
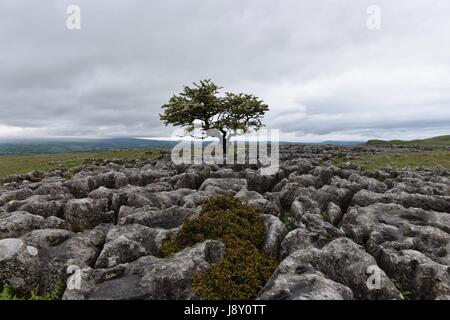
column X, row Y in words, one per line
column 323, row 73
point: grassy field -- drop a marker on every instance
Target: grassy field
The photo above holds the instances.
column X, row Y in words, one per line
column 405, row 159
column 26, row 163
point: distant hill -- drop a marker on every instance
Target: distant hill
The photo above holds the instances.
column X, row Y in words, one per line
column 331, row 142
column 82, row 145
column 441, row 141
column 342, row 143
column 55, row 146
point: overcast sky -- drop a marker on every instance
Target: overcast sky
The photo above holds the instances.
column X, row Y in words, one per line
column 323, row 72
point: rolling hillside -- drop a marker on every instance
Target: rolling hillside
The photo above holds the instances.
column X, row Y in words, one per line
column 441, row 141
column 58, row 146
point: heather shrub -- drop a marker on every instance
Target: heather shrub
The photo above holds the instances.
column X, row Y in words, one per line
column 244, row 269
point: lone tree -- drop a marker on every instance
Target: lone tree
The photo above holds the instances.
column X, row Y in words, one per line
column 202, row 106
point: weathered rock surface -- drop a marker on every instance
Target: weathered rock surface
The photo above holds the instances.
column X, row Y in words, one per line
column 19, row 265
column 303, row 285
column 150, row 239
column 275, row 233
column 327, row 224
column 344, row 262
column 15, row 224
column 411, row 244
column 149, row 277
column 256, row 200
column 229, row 184
column 87, row 213
column 120, row 250
column 436, row 203
column 166, row 218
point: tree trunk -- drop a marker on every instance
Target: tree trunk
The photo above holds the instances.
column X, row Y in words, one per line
column 224, row 144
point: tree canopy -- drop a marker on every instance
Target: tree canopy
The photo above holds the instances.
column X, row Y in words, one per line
column 202, row 106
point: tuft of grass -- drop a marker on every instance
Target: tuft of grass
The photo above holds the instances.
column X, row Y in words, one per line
column 76, row 228
column 8, row 198
column 407, row 294
column 285, row 217
column 55, row 294
column 7, row 294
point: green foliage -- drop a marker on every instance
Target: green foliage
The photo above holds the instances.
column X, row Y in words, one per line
column 169, row 248
column 202, row 105
column 407, row 295
column 241, row 112
column 221, row 217
column 239, row 276
column 55, row 294
column 199, row 103
column 244, row 269
column 8, row 198
column 224, row 203
column 285, row 217
column 7, row 294
column 77, row 228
